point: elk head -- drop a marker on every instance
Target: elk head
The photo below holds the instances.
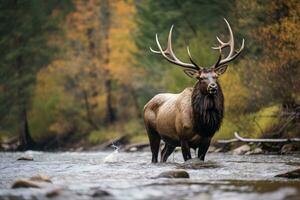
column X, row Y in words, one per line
column 206, row 76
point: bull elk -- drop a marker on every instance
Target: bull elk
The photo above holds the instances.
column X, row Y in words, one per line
column 191, row 118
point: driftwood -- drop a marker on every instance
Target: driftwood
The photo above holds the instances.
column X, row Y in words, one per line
column 227, row 141
column 114, row 143
column 135, row 147
column 238, row 138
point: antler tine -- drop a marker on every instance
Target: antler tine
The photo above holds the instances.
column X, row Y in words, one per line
column 169, row 55
column 191, row 59
column 232, row 52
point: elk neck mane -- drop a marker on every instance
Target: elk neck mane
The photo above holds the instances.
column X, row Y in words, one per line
column 207, row 111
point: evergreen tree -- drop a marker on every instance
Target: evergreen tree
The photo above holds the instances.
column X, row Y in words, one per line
column 25, row 29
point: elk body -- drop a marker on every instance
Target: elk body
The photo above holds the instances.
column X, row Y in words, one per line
column 191, row 118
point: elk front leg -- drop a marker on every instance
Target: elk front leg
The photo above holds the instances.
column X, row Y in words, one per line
column 203, row 147
column 186, row 152
column 166, row 152
column 154, row 139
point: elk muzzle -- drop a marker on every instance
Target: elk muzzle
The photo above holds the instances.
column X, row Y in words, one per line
column 212, row 88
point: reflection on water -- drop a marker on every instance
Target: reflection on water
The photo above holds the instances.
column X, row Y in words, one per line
column 130, row 176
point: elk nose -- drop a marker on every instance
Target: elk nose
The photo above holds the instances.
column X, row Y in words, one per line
column 212, row 88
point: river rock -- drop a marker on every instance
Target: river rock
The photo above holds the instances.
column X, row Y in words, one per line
column 38, row 181
column 100, row 193
column 196, row 163
column 241, row 150
column 41, row 178
column 291, row 174
column 24, row 183
column 54, row 193
column 287, row 148
column 211, row 149
column 218, row 150
column 255, row 151
column 174, row 174
column 26, row 157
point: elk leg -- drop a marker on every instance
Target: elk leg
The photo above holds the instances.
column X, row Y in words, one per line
column 166, row 152
column 203, row 147
column 162, row 153
column 186, row 152
column 154, row 139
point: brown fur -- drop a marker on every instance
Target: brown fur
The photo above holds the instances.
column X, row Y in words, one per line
column 207, row 111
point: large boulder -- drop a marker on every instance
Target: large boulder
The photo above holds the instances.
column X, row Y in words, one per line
column 174, row 174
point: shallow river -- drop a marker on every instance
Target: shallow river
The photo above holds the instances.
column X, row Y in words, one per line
column 130, row 176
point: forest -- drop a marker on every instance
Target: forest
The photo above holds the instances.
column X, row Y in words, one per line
column 78, row 73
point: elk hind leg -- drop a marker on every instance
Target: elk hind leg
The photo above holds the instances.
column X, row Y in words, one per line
column 154, row 139
column 186, row 152
column 166, row 152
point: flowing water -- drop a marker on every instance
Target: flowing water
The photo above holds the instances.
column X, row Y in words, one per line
column 78, row 175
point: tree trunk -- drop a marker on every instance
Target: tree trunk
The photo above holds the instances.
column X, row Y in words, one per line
column 25, row 139
column 110, row 115
column 89, row 113
column 289, row 105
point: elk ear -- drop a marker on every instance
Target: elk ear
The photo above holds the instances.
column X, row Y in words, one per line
column 221, row 70
column 191, row 73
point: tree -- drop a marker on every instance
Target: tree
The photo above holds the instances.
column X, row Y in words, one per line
column 274, row 36
column 24, row 32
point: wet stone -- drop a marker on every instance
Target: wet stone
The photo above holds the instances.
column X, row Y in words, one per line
column 41, row 178
column 24, row 183
column 196, row 163
column 26, row 157
column 295, row 174
column 54, row 193
column 287, row 148
column 255, row 151
column 241, row 150
column 38, row 181
column 101, row 193
column 174, row 174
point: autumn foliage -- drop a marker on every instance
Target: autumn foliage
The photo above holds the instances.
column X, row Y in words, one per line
column 80, row 72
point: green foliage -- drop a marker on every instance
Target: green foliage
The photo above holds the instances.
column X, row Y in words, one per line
column 65, row 80
column 134, row 129
column 265, row 118
column 103, row 135
column 227, row 129
column 25, row 49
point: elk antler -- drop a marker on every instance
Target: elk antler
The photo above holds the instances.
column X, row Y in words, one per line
column 169, row 55
column 232, row 53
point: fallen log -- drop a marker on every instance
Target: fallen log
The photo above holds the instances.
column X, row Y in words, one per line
column 227, row 141
column 265, row 140
column 135, row 147
column 239, row 138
